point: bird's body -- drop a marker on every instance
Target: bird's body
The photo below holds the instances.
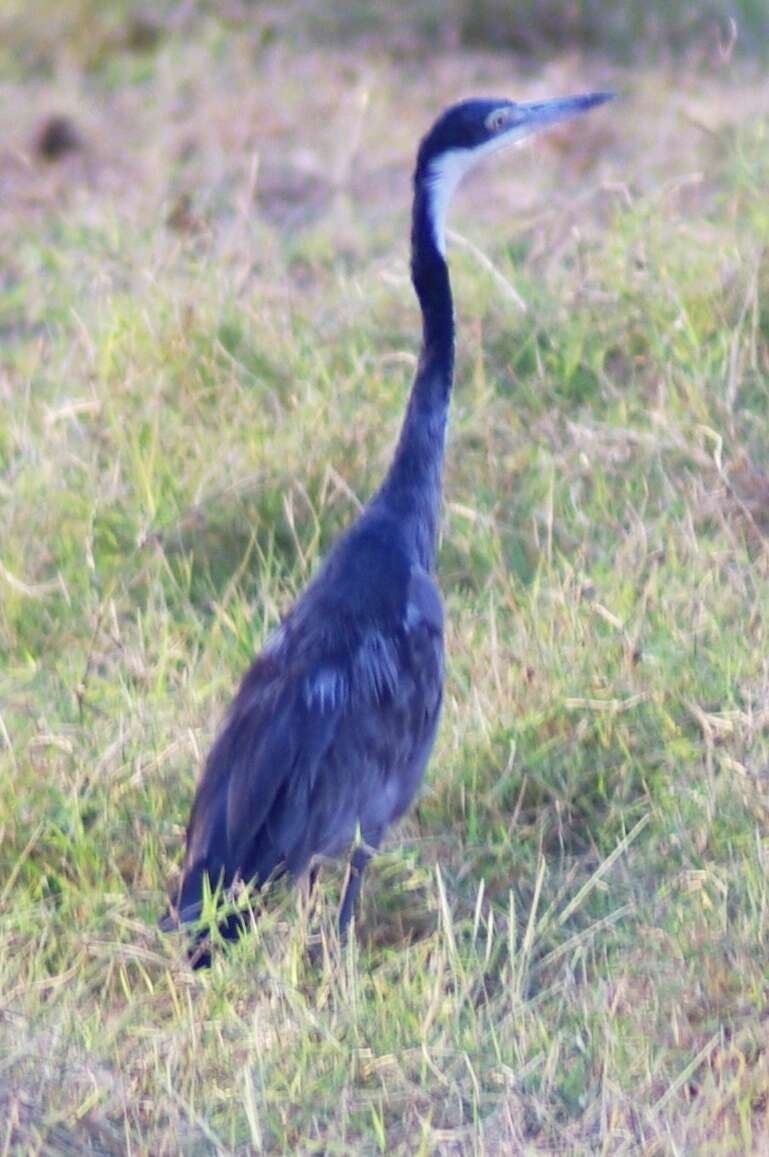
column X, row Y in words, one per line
column 326, row 741
column 330, row 730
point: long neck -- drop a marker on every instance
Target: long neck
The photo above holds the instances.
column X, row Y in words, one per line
column 413, row 483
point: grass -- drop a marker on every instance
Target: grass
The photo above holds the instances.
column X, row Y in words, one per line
column 206, row 349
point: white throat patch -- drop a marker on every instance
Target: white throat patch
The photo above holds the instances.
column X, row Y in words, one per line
column 445, row 173
column 443, row 176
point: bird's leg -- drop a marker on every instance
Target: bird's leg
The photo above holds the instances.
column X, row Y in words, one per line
column 358, row 860
column 307, row 897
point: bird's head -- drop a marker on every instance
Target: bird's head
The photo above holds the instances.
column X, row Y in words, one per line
column 468, row 131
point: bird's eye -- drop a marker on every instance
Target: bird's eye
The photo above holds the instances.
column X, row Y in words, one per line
column 497, row 120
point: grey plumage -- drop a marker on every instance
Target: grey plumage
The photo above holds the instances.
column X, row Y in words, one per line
column 326, row 741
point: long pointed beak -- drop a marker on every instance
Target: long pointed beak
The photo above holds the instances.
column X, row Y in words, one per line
column 536, row 114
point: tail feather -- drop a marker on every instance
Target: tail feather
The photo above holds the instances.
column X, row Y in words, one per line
column 187, row 908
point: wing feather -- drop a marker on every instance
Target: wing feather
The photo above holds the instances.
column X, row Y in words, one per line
column 331, row 728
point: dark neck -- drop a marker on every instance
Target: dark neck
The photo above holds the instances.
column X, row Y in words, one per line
column 430, row 276
column 412, row 487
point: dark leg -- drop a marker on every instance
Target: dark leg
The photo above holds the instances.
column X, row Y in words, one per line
column 199, row 954
column 306, row 892
column 358, row 861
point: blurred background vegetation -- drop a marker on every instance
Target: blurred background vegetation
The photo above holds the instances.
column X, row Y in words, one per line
column 33, row 35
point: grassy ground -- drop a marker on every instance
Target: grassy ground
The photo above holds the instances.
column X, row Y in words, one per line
column 207, row 338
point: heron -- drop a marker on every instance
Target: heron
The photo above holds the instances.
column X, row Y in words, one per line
column 326, row 741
